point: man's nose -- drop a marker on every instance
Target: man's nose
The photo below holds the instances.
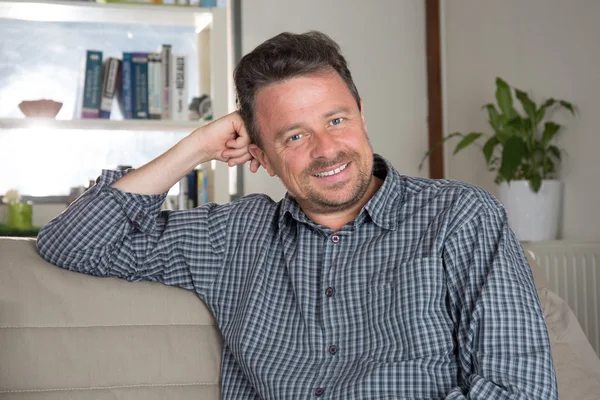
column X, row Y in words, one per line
column 324, row 145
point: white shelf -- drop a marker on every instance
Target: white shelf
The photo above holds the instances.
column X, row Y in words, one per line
column 81, row 11
column 101, row 124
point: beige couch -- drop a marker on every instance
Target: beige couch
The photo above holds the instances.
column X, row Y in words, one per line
column 64, row 335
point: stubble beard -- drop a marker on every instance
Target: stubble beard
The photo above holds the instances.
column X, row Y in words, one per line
column 330, row 201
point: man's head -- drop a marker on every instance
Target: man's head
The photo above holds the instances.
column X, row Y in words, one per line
column 282, row 57
column 304, row 116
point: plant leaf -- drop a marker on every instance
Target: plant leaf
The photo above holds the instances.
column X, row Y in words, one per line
column 542, row 110
column 550, row 131
column 467, row 140
column 488, row 148
column 512, row 156
column 529, row 107
column 494, row 117
column 504, row 98
column 435, row 146
column 555, row 152
column 535, row 182
column 516, row 126
column 568, row 106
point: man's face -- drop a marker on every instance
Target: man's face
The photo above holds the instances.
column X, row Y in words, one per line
column 315, row 140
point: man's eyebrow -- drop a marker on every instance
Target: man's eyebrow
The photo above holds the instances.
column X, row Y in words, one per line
column 339, row 110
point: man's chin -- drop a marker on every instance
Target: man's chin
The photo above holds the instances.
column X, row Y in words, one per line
column 334, row 203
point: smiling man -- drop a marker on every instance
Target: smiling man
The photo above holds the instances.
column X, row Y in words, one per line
column 360, row 283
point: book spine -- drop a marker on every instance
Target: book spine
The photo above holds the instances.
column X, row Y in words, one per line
column 139, row 63
column 93, row 85
column 126, row 87
column 154, row 86
column 205, row 186
column 166, row 80
column 182, row 197
column 200, row 186
column 179, row 90
column 110, row 81
column 192, row 189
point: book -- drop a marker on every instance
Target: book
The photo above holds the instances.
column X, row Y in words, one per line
column 204, row 184
column 139, row 67
column 192, row 189
column 126, row 92
column 182, row 197
column 110, row 84
column 179, row 88
column 154, row 86
column 165, row 52
column 92, row 84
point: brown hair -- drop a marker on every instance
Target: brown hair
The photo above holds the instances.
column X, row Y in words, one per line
column 285, row 56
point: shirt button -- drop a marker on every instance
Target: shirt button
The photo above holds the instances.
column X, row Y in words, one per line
column 333, row 349
column 139, row 216
column 335, row 238
column 329, row 292
column 319, row 391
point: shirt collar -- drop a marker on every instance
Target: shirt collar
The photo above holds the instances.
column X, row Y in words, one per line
column 382, row 207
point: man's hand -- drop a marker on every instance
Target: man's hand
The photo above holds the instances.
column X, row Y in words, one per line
column 227, row 140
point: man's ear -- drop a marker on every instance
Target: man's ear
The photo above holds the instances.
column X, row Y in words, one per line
column 257, row 153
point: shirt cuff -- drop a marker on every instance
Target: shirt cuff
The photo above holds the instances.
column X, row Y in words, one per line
column 140, row 209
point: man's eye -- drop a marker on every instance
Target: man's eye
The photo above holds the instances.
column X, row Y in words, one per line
column 295, row 137
column 336, row 121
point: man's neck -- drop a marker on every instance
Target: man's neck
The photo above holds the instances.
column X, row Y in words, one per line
column 336, row 220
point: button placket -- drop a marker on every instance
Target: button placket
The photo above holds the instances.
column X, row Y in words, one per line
column 330, row 332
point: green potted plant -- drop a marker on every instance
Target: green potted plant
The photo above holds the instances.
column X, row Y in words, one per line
column 522, row 153
column 19, row 214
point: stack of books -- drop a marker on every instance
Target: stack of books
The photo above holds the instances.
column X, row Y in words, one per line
column 148, row 85
column 195, row 189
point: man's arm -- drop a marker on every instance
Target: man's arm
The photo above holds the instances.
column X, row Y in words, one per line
column 503, row 345
column 116, row 228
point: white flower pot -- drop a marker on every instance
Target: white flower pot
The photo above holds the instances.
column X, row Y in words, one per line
column 532, row 216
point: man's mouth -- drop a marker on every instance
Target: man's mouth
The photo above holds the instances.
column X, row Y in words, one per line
column 331, row 172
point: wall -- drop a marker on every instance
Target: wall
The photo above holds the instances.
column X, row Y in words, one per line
column 546, row 47
column 384, row 44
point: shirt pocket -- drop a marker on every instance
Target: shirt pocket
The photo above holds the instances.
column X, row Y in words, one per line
column 407, row 312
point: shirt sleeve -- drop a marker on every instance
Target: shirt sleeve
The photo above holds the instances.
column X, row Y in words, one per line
column 109, row 232
column 502, row 340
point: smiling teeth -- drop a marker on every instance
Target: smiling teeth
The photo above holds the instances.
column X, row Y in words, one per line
column 332, row 172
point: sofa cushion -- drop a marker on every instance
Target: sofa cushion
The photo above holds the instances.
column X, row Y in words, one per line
column 65, row 334
column 575, row 361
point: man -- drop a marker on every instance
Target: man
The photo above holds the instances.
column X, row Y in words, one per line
column 359, row 284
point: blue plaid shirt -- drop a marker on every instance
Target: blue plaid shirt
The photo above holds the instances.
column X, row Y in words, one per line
column 426, row 294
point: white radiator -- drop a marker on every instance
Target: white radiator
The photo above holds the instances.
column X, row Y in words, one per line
column 573, row 272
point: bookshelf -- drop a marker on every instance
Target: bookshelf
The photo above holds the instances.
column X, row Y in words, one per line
column 101, row 124
column 111, row 13
column 212, row 27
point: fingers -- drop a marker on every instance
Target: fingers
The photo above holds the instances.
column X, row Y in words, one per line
column 238, row 143
column 239, row 160
column 234, row 153
column 254, row 165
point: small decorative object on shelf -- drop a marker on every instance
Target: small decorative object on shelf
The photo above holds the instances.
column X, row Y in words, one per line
column 19, row 214
column 40, row 108
column 200, row 108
